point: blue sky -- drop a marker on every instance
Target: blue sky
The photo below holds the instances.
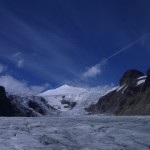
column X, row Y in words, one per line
column 77, row 42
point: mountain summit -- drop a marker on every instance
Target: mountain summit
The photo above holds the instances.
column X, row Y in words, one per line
column 72, row 99
column 64, row 90
column 130, row 98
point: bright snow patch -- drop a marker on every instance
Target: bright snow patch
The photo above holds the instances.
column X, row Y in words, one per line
column 64, row 90
column 124, row 89
column 143, row 77
column 77, row 133
column 121, row 87
column 82, row 97
column 140, row 82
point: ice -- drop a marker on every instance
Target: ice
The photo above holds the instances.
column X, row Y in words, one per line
column 124, row 89
column 143, row 77
column 82, row 97
column 64, row 90
column 140, row 81
column 120, row 87
column 75, row 133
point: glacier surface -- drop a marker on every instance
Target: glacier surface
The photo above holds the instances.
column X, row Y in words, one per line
column 75, row 133
column 83, row 97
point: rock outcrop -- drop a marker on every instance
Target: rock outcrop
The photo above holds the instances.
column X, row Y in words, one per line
column 6, row 108
column 147, row 82
column 130, row 77
column 131, row 98
column 24, row 106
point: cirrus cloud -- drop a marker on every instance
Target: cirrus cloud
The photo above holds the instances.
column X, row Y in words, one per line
column 2, row 68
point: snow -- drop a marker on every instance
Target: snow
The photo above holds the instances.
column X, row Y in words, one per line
column 112, row 89
column 121, row 87
column 83, row 97
column 22, row 103
column 124, row 89
column 64, row 90
column 143, row 77
column 140, row 82
column 75, row 133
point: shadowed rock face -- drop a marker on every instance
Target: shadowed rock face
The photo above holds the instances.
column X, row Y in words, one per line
column 23, row 106
column 130, row 76
column 6, row 108
column 131, row 98
column 147, row 82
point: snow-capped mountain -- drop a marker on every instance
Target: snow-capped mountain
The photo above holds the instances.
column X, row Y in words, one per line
column 73, row 100
column 24, row 106
column 31, row 106
column 64, row 90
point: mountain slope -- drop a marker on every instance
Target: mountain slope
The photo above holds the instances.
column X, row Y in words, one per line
column 24, row 106
column 131, row 97
column 73, row 100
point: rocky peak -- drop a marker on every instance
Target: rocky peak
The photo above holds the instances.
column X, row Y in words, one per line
column 147, row 81
column 2, row 92
column 130, row 99
column 24, row 106
column 148, row 72
column 5, row 105
column 130, row 77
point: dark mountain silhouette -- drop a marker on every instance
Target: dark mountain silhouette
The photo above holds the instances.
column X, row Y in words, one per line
column 24, row 106
column 131, row 98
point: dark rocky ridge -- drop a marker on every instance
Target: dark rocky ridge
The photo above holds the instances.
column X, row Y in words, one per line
column 131, row 98
column 6, row 108
column 24, row 106
column 130, row 77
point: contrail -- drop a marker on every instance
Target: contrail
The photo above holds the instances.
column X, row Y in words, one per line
column 96, row 69
column 126, row 47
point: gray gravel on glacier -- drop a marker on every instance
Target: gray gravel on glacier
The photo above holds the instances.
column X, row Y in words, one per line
column 77, row 133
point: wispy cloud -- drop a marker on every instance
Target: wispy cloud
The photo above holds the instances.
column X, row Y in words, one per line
column 18, row 57
column 20, row 63
column 15, row 86
column 2, row 68
column 97, row 69
column 94, row 70
column 50, row 48
column 17, row 54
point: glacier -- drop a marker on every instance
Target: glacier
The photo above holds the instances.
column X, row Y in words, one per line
column 83, row 97
column 73, row 129
column 75, row 133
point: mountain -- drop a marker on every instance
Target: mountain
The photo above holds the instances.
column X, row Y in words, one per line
column 67, row 100
column 24, row 106
column 73, row 100
column 132, row 97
